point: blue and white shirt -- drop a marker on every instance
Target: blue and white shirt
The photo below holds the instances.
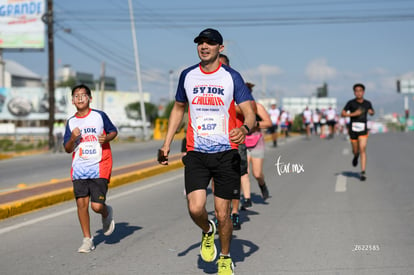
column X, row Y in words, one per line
column 90, row 159
column 211, row 97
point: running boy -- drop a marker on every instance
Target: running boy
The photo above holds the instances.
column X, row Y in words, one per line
column 87, row 137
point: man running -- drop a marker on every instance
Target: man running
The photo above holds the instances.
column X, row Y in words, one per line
column 210, row 91
column 358, row 109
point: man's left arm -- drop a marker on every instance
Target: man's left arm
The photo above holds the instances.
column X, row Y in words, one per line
column 237, row 135
column 371, row 111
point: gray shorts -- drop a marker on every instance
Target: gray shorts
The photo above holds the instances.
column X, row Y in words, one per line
column 258, row 150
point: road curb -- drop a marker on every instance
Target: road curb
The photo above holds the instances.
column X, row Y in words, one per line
column 59, row 196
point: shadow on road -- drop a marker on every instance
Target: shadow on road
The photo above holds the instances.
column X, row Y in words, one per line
column 122, row 230
column 239, row 251
column 350, row 174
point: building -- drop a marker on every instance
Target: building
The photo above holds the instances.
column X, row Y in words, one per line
column 16, row 75
column 67, row 73
column 296, row 105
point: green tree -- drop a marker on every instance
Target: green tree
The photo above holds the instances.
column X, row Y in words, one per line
column 169, row 108
column 133, row 111
column 71, row 82
column 297, row 125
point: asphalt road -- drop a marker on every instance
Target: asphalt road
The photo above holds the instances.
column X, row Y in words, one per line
column 45, row 167
column 320, row 220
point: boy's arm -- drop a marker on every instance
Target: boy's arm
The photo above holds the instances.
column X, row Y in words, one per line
column 70, row 144
column 107, row 138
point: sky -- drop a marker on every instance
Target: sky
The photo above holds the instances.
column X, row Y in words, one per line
column 287, row 48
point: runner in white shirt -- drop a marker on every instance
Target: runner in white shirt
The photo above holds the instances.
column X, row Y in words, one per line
column 331, row 120
column 210, row 90
column 284, row 123
column 316, row 121
column 274, row 114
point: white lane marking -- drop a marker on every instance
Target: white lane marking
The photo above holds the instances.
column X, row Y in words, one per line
column 345, row 151
column 340, row 185
column 73, row 209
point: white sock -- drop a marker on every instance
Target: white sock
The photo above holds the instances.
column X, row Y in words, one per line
column 210, row 229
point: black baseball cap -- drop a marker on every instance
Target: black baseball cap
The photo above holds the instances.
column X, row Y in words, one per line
column 210, row 34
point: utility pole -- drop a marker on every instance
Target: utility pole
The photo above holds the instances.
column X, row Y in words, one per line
column 2, row 81
column 138, row 71
column 49, row 18
column 102, row 84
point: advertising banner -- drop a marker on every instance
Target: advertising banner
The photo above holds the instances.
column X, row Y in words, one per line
column 21, row 24
column 25, row 103
column 31, row 104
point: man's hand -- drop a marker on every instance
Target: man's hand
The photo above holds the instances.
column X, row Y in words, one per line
column 163, row 156
column 237, row 135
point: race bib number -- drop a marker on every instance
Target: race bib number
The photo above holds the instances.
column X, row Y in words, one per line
column 90, row 151
column 211, row 125
column 358, row 126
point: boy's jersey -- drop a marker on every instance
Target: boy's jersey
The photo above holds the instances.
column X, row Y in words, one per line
column 90, row 159
column 211, row 111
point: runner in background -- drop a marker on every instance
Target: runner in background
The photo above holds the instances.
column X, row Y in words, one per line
column 255, row 150
column 316, row 121
column 274, row 114
column 331, row 117
column 307, row 121
column 358, row 109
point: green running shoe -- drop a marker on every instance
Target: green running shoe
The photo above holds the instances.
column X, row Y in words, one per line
column 225, row 266
column 208, row 250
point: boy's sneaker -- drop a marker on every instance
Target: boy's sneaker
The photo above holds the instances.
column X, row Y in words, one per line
column 265, row 191
column 87, row 245
column 225, row 266
column 355, row 160
column 236, row 221
column 108, row 223
column 247, row 203
column 208, row 250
